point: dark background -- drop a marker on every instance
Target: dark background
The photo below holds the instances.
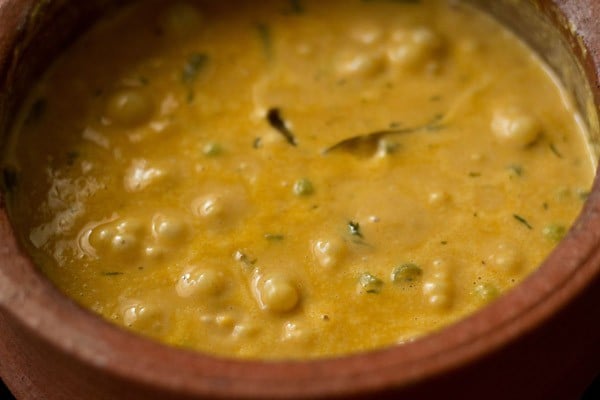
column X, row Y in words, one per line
column 593, row 393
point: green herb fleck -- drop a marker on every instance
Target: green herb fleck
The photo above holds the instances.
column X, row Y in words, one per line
column 406, row 273
column 112, row 273
column 583, row 194
column 354, row 229
column 555, row 232
column 212, row 149
column 555, row 151
column 474, row 174
column 9, row 178
column 264, row 34
column 435, row 124
column 274, row 237
column 303, row 187
column 370, row 284
column 245, row 259
column 522, row 221
column 486, row 292
column 516, row 169
column 195, row 63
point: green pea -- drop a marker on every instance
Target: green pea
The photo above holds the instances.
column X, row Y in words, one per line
column 555, row 232
column 370, row 283
column 406, row 273
column 303, row 187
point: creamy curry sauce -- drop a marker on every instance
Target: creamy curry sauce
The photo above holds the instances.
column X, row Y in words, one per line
column 176, row 171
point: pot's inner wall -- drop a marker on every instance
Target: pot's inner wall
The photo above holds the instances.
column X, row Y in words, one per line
column 543, row 27
column 49, row 28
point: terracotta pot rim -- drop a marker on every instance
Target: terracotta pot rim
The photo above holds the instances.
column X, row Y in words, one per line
column 426, row 357
column 57, row 320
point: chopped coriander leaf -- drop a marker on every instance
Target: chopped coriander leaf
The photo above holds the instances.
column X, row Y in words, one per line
column 303, row 187
column 112, row 273
column 406, row 273
column 555, row 151
column 264, row 34
column 274, row 237
column 555, row 232
column 195, row 63
column 516, row 169
column 522, row 221
column 354, row 229
column 370, row 284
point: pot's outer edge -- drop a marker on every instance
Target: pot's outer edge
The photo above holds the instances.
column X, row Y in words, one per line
column 102, row 362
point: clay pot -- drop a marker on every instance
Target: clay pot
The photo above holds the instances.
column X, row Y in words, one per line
column 539, row 341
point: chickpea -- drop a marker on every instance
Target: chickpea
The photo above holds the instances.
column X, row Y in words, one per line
column 124, row 243
column 278, row 294
column 210, row 206
column 121, row 237
column 328, row 252
column 515, row 128
column 132, row 226
column 361, row 65
column 101, row 236
column 415, row 48
column 439, row 198
column 506, row 257
column 294, row 331
column 437, row 288
column 197, row 282
column 129, row 107
column 144, row 316
column 140, row 175
column 367, row 33
column 220, row 208
column 244, row 330
column 168, row 228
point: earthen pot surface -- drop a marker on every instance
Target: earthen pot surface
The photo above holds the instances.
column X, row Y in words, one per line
column 539, row 341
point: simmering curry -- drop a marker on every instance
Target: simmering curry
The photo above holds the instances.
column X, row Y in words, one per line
column 185, row 170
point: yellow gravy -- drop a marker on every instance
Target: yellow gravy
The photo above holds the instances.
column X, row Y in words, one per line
column 179, row 171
